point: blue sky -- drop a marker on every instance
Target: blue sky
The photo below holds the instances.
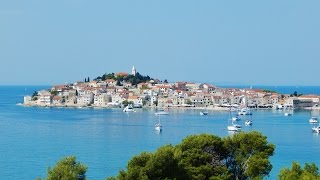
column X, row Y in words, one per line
column 239, row 42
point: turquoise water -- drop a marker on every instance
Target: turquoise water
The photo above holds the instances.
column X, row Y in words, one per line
column 105, row 139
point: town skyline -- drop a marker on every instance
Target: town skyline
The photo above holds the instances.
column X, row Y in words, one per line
column 251, row 43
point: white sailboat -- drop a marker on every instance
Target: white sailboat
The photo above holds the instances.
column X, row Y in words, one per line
column 289, row 112
column 236, row 118
column 233, row 127
column 129, row 108
column 312, row 119
column 161, row 112
column 249, row 121
column 316, row 129
column 158, row 126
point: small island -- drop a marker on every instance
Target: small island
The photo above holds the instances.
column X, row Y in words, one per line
column 120, row 89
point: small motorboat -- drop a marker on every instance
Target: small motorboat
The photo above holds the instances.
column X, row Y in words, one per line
column 316, row 129
column 158, row 127
column 234, row 127
column 248, row 123
column 204, row 113
column 288, row 114
column 161, row 112
column 237, row 118
column 313, row 120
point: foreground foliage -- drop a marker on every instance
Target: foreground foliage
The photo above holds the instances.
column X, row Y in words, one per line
column 67, row 169
column 242, row 156
column 309, row 172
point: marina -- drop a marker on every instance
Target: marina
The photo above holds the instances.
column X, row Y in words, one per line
column 106, row 139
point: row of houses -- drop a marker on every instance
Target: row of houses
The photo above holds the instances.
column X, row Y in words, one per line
column 154, row 93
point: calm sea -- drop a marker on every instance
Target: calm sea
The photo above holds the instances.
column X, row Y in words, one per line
column 33, row 139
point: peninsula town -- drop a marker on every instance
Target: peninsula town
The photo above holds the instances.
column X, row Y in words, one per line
column 120, row 89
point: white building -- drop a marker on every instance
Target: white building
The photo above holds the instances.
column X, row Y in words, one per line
column 45, row 98
column 85, row 99
column 101, row 99
column 27, row 99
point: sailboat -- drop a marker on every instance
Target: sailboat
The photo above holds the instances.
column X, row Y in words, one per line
column 316, row 129
column 129, row 108
column 312, row 119
column 233, row 127
column 249, row 121
column 161, row 112
column 289, row 112
column 245, row 110
column 158, row 126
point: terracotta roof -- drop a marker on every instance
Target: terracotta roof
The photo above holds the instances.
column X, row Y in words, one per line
column 121, row 74
column 133, row 97
column 110, row 80
column 56, row 98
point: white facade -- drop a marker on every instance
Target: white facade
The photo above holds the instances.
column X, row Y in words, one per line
column 27, row 99
column 101, row 99
column 45, row 99
column 85, row 99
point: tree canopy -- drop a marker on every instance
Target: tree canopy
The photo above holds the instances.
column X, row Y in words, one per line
column 133, row 79
column 242, row 156
column 309, row 172
column 67, row 169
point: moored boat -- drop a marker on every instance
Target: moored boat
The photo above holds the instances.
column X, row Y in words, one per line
column 161, row 112
column 245, row 111
column 158, row 126
column 248, row 123
column 316, row 129
column 129, row 108
column 234, row 127
column 313, row 120
column 204, row 113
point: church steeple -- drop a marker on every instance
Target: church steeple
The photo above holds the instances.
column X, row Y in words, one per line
column 134, row 71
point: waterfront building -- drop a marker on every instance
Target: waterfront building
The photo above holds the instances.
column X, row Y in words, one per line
column 27, row 100
column 45, row 98
column 101, row 99
column 86, row 99
column 56, row 100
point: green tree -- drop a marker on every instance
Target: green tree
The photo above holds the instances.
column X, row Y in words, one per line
column 67, row 169
column 118, row 83
column 35, row 94
column 201, row 157
column 243, row 156
column 109, row 76
column 248, row 155
column 155, row 103
column 156, row 166
column 54, row 93
column 309, row 172
column 126, row 102
column 188, row 101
